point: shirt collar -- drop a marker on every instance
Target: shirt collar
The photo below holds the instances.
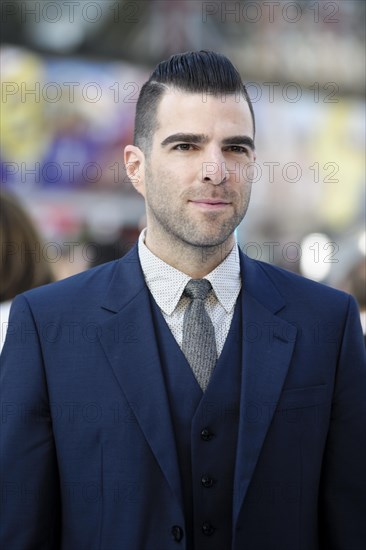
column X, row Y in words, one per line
column 226, row 280
column 167, row 283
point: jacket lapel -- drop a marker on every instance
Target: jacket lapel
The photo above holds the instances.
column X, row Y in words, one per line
column 267, row 347
column 129, row 342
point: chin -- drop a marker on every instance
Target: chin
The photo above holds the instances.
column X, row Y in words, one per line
column 206, row 241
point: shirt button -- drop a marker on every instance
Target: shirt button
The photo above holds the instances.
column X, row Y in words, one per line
column 207, row 481
column 206, row 435
column 177, row 533
column 207, row 528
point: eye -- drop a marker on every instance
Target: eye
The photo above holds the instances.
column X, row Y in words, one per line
column 183, row 147
column 238, row 149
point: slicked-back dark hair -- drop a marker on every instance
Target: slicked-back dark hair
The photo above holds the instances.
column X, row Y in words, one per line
column 203, row 72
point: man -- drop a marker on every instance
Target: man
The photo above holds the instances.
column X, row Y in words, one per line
column 185, row 396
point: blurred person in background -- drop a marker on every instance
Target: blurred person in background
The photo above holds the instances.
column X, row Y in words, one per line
column 22, row 266
column 186, row 396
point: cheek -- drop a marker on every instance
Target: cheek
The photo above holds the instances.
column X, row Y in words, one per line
column 160, row 187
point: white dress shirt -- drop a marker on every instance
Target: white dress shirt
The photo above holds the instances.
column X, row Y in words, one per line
column 167, row 284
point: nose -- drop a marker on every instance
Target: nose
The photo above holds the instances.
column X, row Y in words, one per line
column 214, row 168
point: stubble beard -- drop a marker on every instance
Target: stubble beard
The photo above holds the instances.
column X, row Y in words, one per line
column 182, row 229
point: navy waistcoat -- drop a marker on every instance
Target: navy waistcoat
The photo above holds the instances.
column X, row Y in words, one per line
column 206, row 428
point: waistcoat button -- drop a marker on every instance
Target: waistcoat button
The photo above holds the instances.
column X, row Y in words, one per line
column 207, row 528
column 207, row 481
column 177, row 533
column 206, row 435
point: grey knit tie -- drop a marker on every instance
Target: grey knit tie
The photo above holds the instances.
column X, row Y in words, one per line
column 199, row 345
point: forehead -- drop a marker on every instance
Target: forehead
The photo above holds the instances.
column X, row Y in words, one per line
column 203, row 113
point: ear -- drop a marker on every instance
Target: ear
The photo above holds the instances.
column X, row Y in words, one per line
column 135, row 167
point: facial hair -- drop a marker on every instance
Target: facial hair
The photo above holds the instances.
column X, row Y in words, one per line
column 170, row 212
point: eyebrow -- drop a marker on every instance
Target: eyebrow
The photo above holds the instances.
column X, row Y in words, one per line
column 187, row 138
column 202, row 138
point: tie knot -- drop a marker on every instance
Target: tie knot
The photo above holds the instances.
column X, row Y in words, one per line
column 197, row 288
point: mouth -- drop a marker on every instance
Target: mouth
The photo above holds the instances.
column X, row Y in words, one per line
column 210, row 204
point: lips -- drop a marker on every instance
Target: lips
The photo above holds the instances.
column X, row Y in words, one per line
column 210, row 204
column 209, row 201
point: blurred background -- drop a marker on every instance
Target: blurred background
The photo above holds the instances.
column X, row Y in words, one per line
column 71, row 74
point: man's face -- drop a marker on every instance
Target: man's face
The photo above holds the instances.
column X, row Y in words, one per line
column 197, row 179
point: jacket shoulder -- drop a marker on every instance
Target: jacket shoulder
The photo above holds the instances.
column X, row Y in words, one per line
column 294, row 287
column 87, row 285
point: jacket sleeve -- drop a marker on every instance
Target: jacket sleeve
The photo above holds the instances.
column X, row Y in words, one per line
column 343, row 485
column 30, row 508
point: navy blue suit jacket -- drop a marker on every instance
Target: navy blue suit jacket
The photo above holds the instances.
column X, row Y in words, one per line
column 88, row 452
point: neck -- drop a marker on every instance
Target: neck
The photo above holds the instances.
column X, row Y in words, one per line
column 195, row 261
